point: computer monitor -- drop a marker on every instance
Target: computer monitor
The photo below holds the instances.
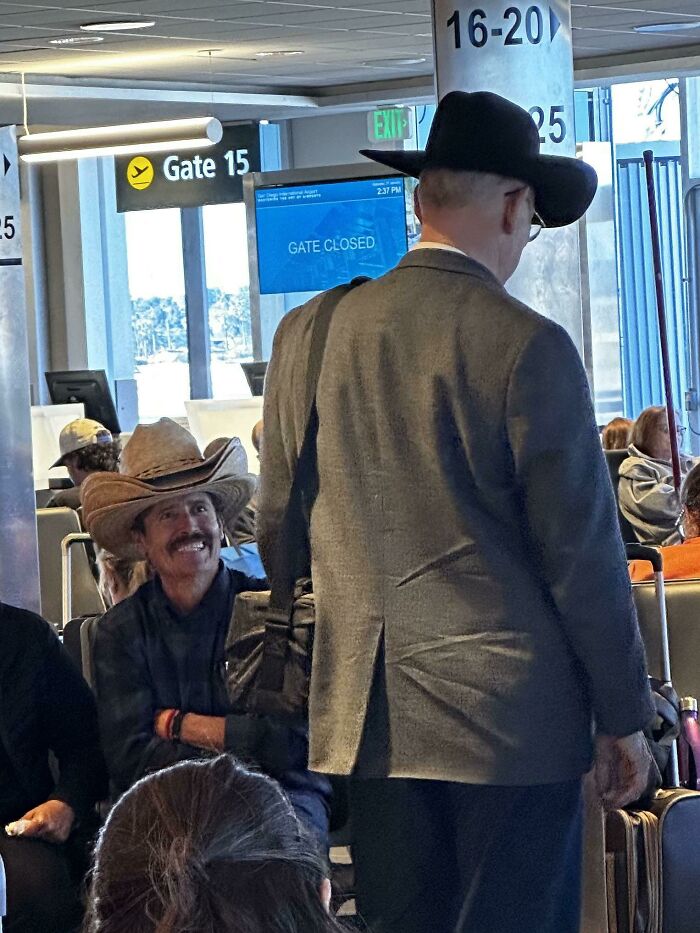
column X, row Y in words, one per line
column 88, row 386
column 255, row 374
column 313, row 234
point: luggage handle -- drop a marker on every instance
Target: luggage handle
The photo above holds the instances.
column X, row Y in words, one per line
column 653, row 555
column 645, row 552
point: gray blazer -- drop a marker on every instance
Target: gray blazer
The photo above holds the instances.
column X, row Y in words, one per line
column 473, row 601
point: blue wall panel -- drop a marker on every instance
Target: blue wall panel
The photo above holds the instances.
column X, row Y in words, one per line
column 641, row 353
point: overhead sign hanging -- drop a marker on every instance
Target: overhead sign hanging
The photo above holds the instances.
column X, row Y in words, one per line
column 192, row 177
column 390, row 124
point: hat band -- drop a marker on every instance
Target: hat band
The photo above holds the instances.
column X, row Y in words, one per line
column 163, row 470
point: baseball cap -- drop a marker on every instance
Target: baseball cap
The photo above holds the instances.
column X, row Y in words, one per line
column 83, row 432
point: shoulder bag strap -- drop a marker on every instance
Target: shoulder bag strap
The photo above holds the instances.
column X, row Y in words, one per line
column 292, row 549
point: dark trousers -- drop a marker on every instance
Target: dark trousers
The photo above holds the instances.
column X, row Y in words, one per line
column 440, row 857
column 42, row 894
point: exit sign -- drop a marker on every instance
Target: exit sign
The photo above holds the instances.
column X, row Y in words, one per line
column 389, row 124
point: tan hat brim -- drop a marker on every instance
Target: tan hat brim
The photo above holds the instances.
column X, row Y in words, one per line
column 111, row 525
column 113, row 501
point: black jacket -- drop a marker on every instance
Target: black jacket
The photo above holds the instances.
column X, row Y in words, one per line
column 45, row 705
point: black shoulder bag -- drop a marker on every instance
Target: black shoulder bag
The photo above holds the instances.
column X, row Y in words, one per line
column 269, row 645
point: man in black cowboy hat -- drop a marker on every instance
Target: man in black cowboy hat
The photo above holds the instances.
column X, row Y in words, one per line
column 159, row 654
column 474, row 618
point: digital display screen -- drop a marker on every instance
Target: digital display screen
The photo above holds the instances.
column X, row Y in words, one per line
column 314, row 236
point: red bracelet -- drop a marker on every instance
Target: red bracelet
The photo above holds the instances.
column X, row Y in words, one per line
column 168, row 724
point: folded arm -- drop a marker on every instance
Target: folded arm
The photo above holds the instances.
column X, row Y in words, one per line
column 127, row 706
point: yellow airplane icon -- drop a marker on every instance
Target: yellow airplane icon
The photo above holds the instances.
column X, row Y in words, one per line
column 139, row 172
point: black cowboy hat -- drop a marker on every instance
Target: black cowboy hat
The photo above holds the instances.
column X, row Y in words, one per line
column 482, row 132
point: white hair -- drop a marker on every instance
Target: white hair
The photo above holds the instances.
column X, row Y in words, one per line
column 449, row 188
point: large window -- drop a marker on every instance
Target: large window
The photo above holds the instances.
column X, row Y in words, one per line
column 614, row 127
column 159, row 323
column 226, row 261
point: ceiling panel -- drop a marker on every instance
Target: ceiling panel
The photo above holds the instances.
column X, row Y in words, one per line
column 336, row 37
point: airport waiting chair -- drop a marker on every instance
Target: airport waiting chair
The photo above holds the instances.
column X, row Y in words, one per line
column 53, row 525
column 683, row 607
column 88, row 630
column 614, row 458
column 71, row 641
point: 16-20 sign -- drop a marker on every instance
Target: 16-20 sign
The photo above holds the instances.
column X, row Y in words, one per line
column 517, row 28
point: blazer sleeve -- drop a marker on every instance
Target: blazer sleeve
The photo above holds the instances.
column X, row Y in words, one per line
column 570, row 514
column 126, row 707
column 69, row 720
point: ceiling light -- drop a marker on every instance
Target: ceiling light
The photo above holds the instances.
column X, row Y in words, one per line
column 392, row 62
column 283, row 53
column 668, row 27
column 133, row 138
column 77, row 40
column 117, row 26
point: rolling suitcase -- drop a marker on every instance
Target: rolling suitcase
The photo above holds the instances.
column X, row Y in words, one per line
column 652, row 855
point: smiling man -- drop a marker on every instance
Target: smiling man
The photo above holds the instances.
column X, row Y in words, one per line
column 159, row 655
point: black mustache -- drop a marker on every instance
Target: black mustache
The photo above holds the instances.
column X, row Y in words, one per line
column 190, row 539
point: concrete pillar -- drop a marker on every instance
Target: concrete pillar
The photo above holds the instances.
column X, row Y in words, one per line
column 522, row 50
column 19, row 559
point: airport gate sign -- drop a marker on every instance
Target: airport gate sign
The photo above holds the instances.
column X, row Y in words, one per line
column 189, row 178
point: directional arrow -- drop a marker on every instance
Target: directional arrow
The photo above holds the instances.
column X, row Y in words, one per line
column 6, row 164
column 554, row 24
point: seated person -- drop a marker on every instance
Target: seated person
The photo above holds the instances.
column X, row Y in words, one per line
column 86, row 447
column 46, row 708
column 118, row 577
column 681, row 561
column 159, row 654
column 646, row 493
column 616, row 434
column 211, row 847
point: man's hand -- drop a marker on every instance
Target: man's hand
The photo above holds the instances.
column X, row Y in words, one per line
column 622, row 769
column 51, row 821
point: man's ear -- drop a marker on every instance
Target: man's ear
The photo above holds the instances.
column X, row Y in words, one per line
column 512, row 205
column 416, row 203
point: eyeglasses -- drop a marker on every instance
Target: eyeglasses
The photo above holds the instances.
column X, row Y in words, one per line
column 536, row 224
column 680, row 430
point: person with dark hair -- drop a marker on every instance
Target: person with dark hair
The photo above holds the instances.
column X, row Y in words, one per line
column 212, row 847
column 681, row 561
column 51, row 774
column 646, row 494
column 159, row 654
column 86, row 447
column 616, row 434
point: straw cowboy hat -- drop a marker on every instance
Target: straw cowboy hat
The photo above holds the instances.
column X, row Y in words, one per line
column 162, row 461
column 483, row 132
